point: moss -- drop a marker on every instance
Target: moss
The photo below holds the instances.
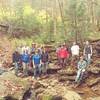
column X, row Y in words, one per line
column 47, row 97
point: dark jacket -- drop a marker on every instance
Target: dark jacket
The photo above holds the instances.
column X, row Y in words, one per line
column 16, row 57
column 44, row 57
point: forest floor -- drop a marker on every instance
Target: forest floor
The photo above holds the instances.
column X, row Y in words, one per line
column 54, row 86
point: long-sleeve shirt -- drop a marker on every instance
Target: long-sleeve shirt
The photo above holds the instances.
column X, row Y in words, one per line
column 16, row 57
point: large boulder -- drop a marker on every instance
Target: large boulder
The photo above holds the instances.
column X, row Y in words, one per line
column 71, row 95
column 12, row 85
column 94, row 98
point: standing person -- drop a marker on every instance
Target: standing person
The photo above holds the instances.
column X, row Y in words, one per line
column 32, row 52
column 33, row 48
column 25, row 49
column 36, row 59
column 88, row 52
column 25, row 62
column 16, row 58
column 75, row 52
column 82, row 64
column 45, row 61
column 40, row 49
column 63, row 54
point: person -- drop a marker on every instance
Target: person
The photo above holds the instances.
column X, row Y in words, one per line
column 45, row 61
column 25, row 62
column 25, row 49
column 16, row 58
column 75, row 53
column 63, row 55
column 82, row 64
column 40, row 50
column 32, row 52
column 36, row 59
column 88, row 52
column 75, row 49
column 33, row 48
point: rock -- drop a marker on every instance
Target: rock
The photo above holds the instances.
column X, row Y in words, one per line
column 80, row 92
column 56, row 97
column 37, row 85
column 94, row 70
column 53, row 83
column 12, row 85
column 69, row 71
column 96, row 88
column 38, row 91
column 46, row 97
column 9, row 98
column 63, row 78
column 39, row 96
column 71, row 95
column 93, row 82
column 95, row 98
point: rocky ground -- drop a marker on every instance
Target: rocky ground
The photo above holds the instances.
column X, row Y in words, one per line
column 57, row 85
column 49, row 87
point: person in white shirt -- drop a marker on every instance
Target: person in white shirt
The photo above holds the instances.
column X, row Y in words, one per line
column 75, row 53
column 25, row 49
column 75, row 49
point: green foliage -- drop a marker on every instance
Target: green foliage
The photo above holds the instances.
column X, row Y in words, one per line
column 37, row 18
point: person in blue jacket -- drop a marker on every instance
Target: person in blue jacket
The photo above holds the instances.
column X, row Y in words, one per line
column 36, row 59
column 25, row 62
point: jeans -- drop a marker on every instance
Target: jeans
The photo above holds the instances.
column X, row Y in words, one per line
column 79, row 75
column 25, row 68
column 37, row 70
column 63, row 62
column 44, row 67
column 16, row 68
column 88, row 58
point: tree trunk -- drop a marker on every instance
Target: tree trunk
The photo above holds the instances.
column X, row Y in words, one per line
column 62, row 17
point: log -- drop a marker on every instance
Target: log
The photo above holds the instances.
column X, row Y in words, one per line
column 94, row 70
column 63, row 78
column 69, row 72
column 93, row 82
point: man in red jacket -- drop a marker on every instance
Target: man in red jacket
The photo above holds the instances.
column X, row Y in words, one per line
column 63, row 54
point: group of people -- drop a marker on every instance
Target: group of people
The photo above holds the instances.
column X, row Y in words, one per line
column 81, row 60
column 37, row 58
column 34, row 59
